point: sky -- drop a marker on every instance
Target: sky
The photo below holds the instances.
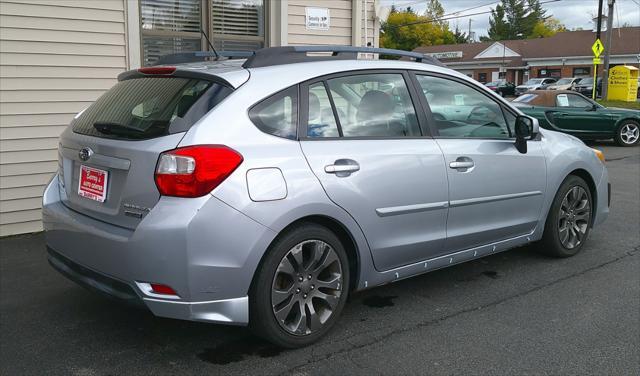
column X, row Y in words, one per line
column 572, row 13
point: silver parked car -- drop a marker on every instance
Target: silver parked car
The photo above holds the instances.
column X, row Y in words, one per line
column 535, row 84
column 264, row 191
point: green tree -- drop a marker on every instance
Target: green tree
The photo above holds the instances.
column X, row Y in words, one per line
column 435, row 11
column 515, row 19
column 460, row 36
column 547, row 28
column 405, row 30
column 499, row 29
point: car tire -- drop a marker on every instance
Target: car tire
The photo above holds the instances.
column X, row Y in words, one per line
column 306, row 273
column 569, row 220
column 628, row 133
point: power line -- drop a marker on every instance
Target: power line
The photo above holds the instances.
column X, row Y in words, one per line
column 472, row 8
column 446, row 16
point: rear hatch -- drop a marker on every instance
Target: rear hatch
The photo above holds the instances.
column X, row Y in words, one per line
column 108, row 154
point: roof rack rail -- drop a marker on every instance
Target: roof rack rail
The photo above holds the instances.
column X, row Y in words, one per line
column 195, row 56
column 297, row 54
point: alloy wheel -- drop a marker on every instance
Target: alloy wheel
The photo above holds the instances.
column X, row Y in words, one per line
column 573, row 219
column 306, row 287
column 630, row 133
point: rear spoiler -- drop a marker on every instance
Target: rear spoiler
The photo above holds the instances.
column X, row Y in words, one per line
column 170, row 71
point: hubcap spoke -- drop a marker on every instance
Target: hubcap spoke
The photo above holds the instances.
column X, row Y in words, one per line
column 331, row 300
column 296, row 255
column 328, row 258
column 284, row 312
column 279, row 296
column 313, row 319
column 564, row 235
column 318, row 254
column 286, row 267
column 333, row 284
column 301, row 323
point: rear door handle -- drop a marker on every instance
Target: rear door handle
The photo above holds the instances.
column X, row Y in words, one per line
column 342, row 167
column 462, row 164
column 458, row 165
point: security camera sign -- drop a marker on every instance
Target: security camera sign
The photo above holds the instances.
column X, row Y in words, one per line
column 317, row 18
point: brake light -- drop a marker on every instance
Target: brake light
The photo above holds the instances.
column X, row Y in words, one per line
column 158, row 288
column 194, row 171
column 157, row 70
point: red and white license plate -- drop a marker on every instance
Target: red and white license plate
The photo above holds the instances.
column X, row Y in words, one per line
column 93, row 183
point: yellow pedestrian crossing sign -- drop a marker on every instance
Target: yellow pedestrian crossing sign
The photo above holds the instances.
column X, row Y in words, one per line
column 597, row 48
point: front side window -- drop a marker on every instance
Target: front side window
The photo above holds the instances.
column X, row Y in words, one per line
column 374, row 105
column 277, row 114
column 460, row 111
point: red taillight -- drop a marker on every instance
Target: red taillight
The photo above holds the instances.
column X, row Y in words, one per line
column 194, row 171
column 157, row 70
column 157, row 288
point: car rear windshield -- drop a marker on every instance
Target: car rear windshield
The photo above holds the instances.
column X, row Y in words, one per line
column 149, row 107
column 525, row 98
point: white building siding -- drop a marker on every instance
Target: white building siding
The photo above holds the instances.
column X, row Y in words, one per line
column 339, row 33
column 56, row 57
column 347, row 23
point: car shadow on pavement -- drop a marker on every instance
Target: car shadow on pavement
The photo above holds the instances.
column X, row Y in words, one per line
column 74, row 318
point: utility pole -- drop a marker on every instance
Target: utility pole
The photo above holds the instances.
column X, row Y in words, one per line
column 607, row 50
column 595, row 66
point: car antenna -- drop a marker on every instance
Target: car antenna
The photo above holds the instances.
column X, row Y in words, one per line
column 210, row 44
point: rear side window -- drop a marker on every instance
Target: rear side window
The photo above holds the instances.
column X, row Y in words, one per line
column 277, row 114
column 149, row 107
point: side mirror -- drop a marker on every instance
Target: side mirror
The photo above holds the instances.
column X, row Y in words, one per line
column 526, row 129
column 592, row 108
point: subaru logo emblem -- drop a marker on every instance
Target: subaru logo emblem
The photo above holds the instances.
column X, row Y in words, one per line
column 85, row 154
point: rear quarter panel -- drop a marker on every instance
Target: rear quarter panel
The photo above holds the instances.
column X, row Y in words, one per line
column 229, row 124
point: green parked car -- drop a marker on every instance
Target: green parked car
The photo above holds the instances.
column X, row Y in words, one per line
column 573, row 113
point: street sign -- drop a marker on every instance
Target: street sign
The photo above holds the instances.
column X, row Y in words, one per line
column 596, row 60
column 597, row 48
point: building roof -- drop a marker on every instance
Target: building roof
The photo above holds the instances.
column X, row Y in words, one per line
column 624, row 41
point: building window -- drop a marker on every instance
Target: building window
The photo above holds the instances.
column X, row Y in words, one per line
column 173, row 26
column 237, row 25
column 482, row 77
column 550, row 73
column 582, row 71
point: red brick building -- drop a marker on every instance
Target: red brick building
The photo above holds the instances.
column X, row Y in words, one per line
column 566, row 54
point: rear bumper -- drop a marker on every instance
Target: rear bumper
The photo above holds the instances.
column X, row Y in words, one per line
column 191, row 245
column 228, row 311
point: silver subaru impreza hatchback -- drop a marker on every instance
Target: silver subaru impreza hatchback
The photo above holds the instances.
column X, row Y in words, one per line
column 264, row 191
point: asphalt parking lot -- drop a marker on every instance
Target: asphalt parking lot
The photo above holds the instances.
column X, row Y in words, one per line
column 512, row 313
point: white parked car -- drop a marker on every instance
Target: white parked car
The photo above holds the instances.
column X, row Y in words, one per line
column 565, row 83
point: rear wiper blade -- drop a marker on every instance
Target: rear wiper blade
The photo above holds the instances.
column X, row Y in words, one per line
column 108, row 127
